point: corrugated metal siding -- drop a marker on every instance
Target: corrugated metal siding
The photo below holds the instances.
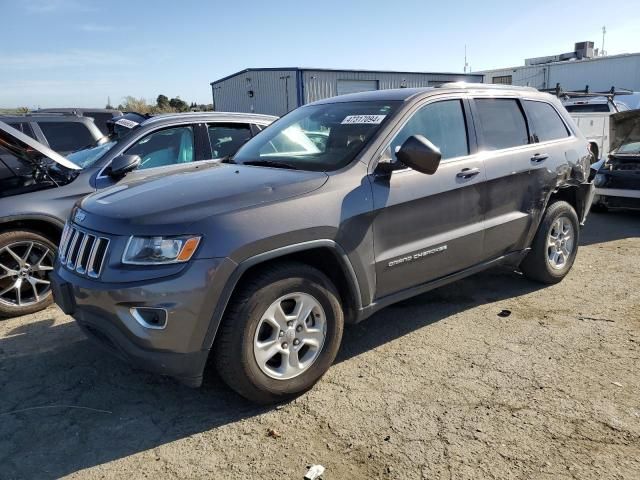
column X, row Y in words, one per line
column 320, row 84
column 600, row 74
column 532, row 76
column 621, row 72
column 269, row 92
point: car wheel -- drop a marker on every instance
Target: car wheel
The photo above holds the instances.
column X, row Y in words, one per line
column 554, row 246
column 26, row 259
column 280, row 334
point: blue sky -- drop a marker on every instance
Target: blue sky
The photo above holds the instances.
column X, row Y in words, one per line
column 79, row 52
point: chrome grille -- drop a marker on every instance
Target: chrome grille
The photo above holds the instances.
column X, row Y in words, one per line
column 82, row 252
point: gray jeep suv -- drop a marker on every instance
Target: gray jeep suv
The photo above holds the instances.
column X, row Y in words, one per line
column 38, row 187
column 336, row 210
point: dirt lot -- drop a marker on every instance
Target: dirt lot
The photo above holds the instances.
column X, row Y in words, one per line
column 436, row 387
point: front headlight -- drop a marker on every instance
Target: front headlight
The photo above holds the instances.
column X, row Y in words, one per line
column 159, row 250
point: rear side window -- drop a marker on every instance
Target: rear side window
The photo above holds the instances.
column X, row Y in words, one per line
column 588, row 108
column 442, row 123
column 226, row 139
column 502, row 123
column 66, row 136
column 25, row 128
column 546, row 124
column 100, row 119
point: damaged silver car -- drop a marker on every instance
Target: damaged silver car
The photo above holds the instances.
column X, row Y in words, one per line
column 617, row 180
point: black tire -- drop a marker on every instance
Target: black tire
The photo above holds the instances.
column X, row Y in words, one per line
column 8, row 239
column 234, row 347
column 599, row 207
column 536, row 265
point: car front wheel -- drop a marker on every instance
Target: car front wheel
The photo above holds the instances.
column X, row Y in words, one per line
column 280, row 334
column 26, row 259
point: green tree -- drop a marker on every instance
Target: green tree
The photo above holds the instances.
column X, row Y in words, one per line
column 179, row 105
column 162, row 102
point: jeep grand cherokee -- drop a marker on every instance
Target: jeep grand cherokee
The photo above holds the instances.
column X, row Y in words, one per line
column 336, row 210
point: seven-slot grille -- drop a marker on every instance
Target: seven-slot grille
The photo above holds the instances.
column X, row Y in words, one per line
column 82, row 252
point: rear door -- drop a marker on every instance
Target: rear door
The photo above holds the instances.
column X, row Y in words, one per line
column 518, row 178
column 429, row 226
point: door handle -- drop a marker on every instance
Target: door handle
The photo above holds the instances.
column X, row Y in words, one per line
column 539, row 157
column 468, row 172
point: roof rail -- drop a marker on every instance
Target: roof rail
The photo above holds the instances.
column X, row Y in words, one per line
column 612, row 92
column 487, row 86
column 53, row 114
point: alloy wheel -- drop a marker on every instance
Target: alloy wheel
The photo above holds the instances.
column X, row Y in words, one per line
column 24, row 268
column 290, row 336
column 560, row 242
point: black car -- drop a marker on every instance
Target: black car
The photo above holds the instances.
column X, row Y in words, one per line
column 62, row 132
column 100, row 116
column 617, row 179
column 38, row 187
column 261, row 259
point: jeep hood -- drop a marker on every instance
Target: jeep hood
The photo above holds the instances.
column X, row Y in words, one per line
column 192, row 194
column 624, row 127
column 29, row 150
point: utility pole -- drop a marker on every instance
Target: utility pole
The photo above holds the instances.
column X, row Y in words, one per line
column 465, row 58
column 604, row 31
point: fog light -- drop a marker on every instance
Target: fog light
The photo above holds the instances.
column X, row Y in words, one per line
column 154, row 318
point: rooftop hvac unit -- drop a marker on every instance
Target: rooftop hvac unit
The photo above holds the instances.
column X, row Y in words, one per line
column 584, row 50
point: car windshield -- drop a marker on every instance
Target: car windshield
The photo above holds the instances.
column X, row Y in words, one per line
column 322, row 137
column 630, row 148
column 88, row 156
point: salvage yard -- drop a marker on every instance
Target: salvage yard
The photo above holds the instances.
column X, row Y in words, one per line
column 490, row 377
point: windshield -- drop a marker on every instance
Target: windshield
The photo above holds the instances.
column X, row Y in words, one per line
column 630, row 148
column 317, row 137
column 88, row 156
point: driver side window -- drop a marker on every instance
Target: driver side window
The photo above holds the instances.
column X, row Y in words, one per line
column 164, row 147
column 442, row 123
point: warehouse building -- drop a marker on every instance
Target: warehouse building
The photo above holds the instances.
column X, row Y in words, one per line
column 276, row 91
column 573, row 71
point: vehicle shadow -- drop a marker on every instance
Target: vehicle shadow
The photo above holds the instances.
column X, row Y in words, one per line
column 609, row 226
column 69, row 406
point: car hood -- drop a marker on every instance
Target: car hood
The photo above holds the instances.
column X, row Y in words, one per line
column 29, row 150
column 192, row 194
column 624, row 127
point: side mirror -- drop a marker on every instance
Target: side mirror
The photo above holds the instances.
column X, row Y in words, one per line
column 420, row 154
column 123, row 164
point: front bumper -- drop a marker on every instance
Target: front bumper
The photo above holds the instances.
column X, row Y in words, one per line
column 617, row 198
column 103, row 312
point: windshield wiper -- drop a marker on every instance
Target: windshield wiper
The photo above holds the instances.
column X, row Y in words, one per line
column 270, row 163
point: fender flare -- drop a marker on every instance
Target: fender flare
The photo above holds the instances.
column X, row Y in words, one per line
column 232, row 281
column 39, row 217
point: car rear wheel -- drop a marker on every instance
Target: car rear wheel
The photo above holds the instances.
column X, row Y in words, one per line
column 280, row 334
column 555, row 245
column 26, row 259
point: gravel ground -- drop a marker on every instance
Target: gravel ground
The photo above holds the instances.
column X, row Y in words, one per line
column 439, row 386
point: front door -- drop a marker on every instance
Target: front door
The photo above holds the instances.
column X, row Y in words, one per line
column 429, row 226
